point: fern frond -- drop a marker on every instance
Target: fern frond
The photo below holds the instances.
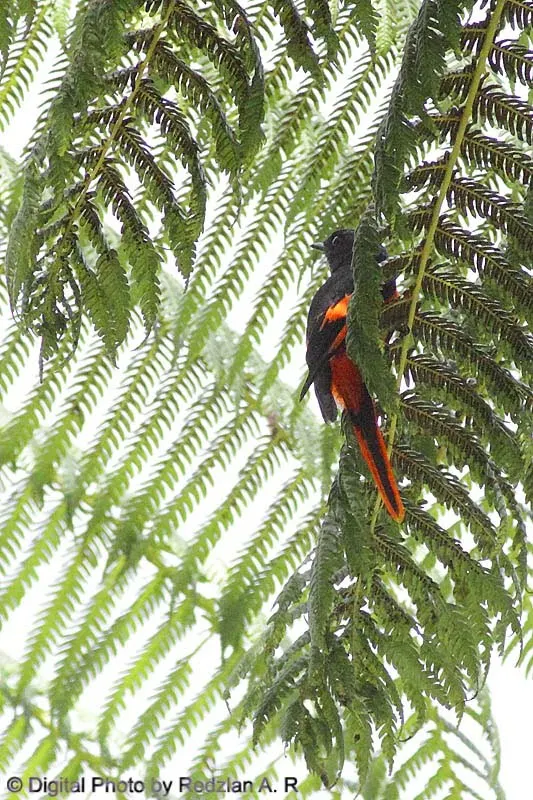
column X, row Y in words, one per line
column 297, row 34
column 321, row 594
column 178, row 732
column 437, row 380
column 518, row 13
column 23, row 47
column 238, row 602
column 450, row 492
column 94, row 643
column 435, row 30
column 505, row 111
column 171, row 689
column 453, row 341
column 491, row 153
column 511, row 59
column 488, row 260
column 471, row 196
column 433, row 420
column 451, row 290
column 198, row 91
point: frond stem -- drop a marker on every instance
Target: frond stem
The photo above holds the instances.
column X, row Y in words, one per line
column 455, row 153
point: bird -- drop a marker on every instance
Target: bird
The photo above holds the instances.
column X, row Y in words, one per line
column 337, row 379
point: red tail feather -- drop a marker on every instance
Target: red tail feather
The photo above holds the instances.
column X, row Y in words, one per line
column 351, row 394
column 375, row 455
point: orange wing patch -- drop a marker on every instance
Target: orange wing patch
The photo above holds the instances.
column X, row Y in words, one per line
column 334, row 313
column 338, row 311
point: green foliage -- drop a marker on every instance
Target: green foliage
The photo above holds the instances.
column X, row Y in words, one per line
column 107, row 111
column 461, row 338
column 466, row 770
column 161, row 484
column 363, row 318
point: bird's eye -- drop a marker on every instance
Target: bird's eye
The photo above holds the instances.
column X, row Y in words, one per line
column 334, row 240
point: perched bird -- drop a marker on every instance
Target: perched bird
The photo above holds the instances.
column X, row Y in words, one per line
column 337, row 380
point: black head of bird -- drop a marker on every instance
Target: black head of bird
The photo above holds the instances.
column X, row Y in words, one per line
column 338, row 249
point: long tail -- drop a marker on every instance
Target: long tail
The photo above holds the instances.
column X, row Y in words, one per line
column 351, row 394
column 374, row 452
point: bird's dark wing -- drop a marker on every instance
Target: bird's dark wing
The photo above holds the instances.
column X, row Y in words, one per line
column 326, row 332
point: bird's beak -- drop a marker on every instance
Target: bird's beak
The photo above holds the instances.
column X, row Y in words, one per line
column 318, row 246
